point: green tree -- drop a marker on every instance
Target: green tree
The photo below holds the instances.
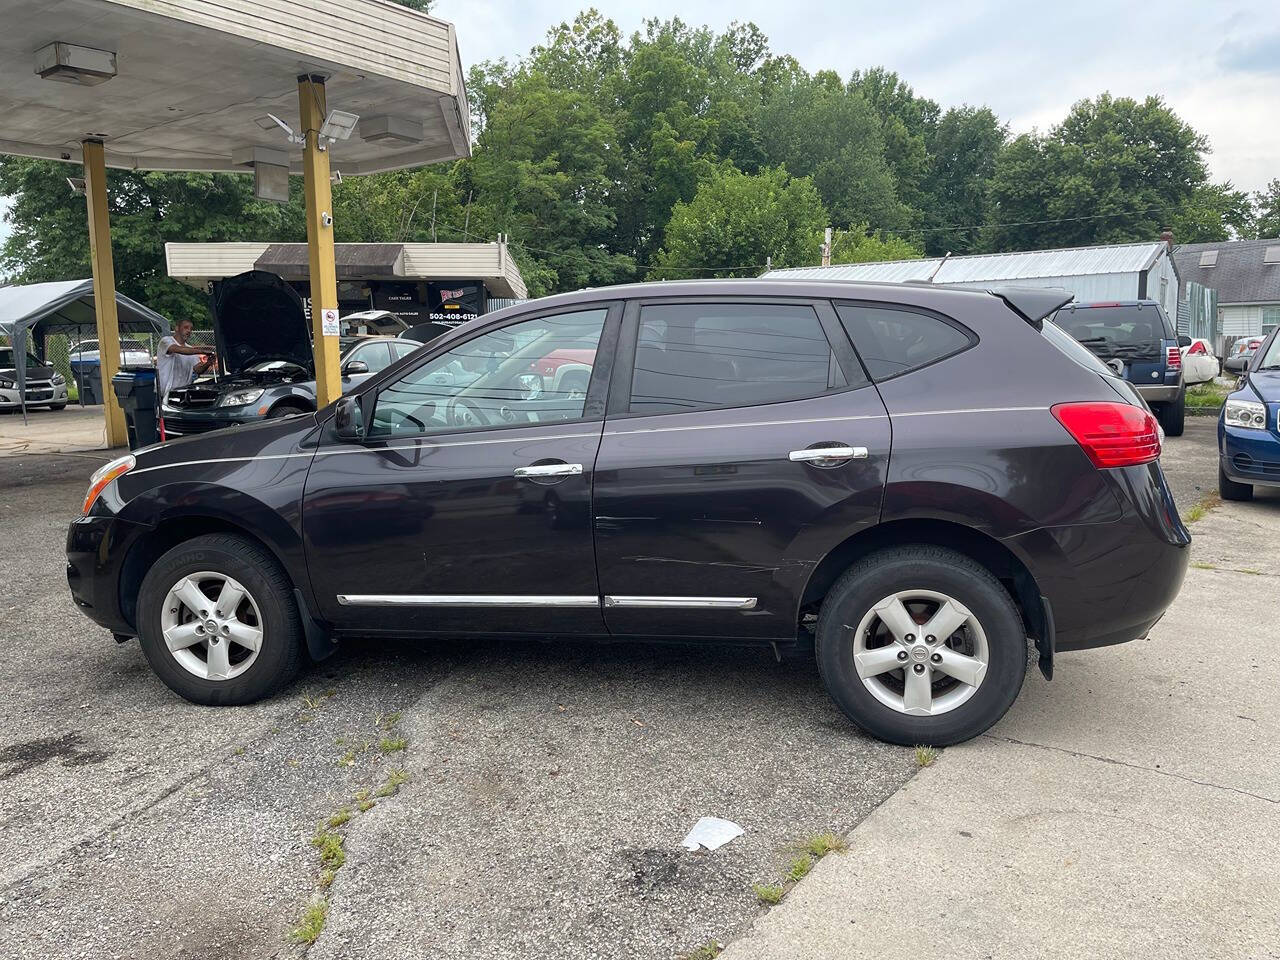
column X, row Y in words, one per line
column 1214, row 211
column 860, row 245
column 737, row 221
column 966, row 142
column 49, row 237
column 1114, row 170
column 1266, row 211
column 907, row 125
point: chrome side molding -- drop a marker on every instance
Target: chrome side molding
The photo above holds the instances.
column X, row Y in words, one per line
column 463, row 600
column 704, row 603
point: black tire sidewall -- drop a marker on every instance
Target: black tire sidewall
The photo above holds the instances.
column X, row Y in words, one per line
column 277, row 659
column 959, row 578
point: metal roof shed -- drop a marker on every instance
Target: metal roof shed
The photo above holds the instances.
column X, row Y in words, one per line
column 202, row 85
column 1125, row 271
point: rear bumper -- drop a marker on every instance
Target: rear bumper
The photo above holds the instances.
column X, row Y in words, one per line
column 96, row 550
column 1109, row 583
column 1163, row 393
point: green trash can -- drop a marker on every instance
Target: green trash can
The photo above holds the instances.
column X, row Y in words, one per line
column 135, row 388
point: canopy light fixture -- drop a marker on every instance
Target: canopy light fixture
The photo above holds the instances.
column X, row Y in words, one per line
column 68, row 63
column 338, row 125
column 374, row 129
column 271, row 122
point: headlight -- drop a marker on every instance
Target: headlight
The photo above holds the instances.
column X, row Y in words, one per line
column 59, row 379
column 6, row 384
column 104, row 476
column 239, row 398
column 1245, row 413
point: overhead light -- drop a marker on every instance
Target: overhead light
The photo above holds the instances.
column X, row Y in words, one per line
column 68, row 63
column 338, row 125
column 272, row 122
column 77, row 185
column 374, row 129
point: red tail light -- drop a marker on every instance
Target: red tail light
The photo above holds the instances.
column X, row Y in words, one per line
column 1175, row 358
column 1111, row 434
column 1197, row 348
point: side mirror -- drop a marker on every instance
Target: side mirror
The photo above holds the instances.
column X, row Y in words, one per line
column 1184, row 341
column 1245, row 368
column 354, row 366
column 348, row 419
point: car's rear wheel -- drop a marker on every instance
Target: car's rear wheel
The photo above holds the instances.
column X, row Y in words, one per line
column 217, row 621
column 921, row 645
column 1228, row 489
column 1173, row 415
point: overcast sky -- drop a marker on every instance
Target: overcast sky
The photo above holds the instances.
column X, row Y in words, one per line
column 1216, row 62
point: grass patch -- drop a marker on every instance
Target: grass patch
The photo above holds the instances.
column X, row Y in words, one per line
column 1201, row 507
column 800, row 868
column 925, row 756
column 338, row 819
column 332, row 856
column 820, row 844
column 312, row 923
column 388, row 720
column 1204, row 566
column 770, row 893
column 393, row 744
column 394, row 780
column 364, row 806
column 326, row 878
column 708, row 951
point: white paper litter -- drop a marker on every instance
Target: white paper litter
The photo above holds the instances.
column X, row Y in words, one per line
column 712, row 832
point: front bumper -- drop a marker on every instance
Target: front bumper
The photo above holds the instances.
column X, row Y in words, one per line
column 42, row 394
column 1251, row 456
column 181, row 423
column 97, row 547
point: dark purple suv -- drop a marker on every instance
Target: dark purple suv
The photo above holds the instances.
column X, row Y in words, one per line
column 914, row 482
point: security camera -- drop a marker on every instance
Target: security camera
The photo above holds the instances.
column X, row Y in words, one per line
column 335, row 177
column 77, row 185
column 326, row 218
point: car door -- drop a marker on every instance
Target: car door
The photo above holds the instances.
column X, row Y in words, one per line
column 467, row 507
column 376, row 355
column 714, row 498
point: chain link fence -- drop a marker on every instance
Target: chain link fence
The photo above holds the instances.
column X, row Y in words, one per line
column 61, row 353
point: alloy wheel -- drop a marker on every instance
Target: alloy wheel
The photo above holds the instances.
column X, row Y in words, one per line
column 920, row 652
column 211, row 625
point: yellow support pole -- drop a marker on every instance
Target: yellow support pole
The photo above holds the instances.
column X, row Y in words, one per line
column 324, row 277
column 104, row 286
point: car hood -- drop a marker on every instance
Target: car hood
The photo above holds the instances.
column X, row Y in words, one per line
column 1266, row 384
column 258, row 317
column 44, row 372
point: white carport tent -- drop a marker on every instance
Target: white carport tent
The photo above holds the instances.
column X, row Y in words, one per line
column 63, row 306
column 195, row 81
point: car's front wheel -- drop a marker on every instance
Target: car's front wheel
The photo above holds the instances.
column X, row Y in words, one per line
column 921, row 645
column 217, row 621
column 1228, row 489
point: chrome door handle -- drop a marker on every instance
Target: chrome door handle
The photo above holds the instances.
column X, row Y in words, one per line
column 550, row 470
column 811, row 454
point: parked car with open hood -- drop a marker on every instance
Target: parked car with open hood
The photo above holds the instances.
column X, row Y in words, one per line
column 781, row 463
column 1139, row 341
column 267, row 367
column 1249, row 427
column 45, row 386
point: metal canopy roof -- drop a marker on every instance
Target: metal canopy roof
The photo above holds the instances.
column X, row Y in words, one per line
column 194, row 77
column 981, row 268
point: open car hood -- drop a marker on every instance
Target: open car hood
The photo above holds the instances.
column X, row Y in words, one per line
column 258, row 317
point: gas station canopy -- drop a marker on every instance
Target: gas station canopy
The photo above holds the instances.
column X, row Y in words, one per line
column 195, row 83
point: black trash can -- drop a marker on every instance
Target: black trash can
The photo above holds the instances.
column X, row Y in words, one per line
column 135, row 388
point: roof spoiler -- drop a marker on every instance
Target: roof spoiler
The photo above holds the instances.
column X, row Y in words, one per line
column 1033, row 304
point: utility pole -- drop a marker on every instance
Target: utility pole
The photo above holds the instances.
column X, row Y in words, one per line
column 826, row 247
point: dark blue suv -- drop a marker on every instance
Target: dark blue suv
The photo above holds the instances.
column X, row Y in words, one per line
column 1137, row 340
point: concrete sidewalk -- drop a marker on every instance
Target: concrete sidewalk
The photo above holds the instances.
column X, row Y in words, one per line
column 1147, row 826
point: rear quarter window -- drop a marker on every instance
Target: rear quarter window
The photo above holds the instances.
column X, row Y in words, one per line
column 896, row 340
column 1072, row 349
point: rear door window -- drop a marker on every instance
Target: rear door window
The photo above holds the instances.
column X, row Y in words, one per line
column 893, row 341
column 699, row 356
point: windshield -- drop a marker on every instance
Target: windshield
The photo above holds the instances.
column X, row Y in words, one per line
column 6, row 359
column 1270, row 358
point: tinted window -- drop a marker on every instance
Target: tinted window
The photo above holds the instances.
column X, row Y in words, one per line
column 402, row 348
column 695, row 356
column 376, row 355
column 1128, row 325
column 521, row 374
column 892, row 341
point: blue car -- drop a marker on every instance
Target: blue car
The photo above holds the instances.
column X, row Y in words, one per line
column 1249, row 428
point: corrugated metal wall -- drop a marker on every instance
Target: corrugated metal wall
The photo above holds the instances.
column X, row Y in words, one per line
column 1103, row 286
column 1198, row 315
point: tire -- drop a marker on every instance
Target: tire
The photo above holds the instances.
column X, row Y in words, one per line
column 1173, row 416
column 959, row 711
column 58, row 406
column 285, row 410
column 268, row 602
column 1228, row 489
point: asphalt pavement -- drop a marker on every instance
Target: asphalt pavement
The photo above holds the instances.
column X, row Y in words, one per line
column 546, row 787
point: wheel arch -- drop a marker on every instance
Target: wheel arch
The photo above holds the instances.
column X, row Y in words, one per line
column 982, row 548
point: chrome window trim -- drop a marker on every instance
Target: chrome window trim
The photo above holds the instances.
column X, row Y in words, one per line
column 726, row 426
column 463, row 600
column 691, row 603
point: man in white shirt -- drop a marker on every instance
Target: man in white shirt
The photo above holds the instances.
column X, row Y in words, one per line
column 177, row 362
